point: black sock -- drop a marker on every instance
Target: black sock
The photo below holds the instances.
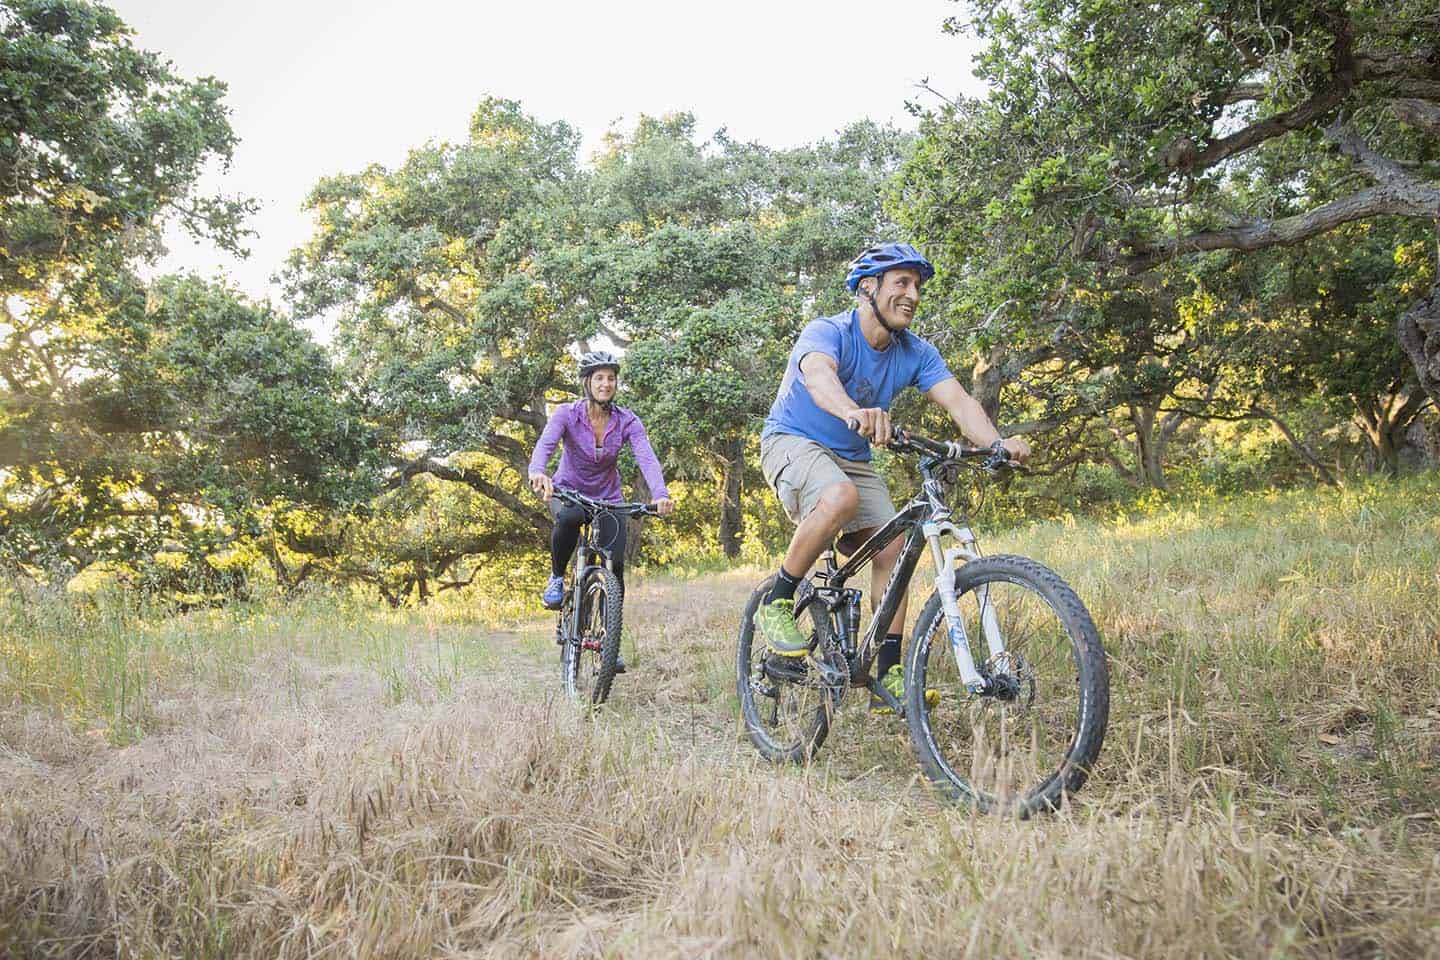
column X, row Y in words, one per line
column 889, row 654
column 784, row 588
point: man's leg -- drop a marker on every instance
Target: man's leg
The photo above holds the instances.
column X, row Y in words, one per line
column 834, row 509
column 887, row 660
column 776, row 617
column 874, row 511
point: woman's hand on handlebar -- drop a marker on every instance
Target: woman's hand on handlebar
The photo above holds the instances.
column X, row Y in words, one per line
column 543, row 486
column 871, row 422
column 664, row 506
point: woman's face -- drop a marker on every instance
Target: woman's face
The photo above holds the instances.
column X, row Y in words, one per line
column 602, row 384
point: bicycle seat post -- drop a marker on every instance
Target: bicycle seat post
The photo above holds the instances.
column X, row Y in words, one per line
column 827, row 566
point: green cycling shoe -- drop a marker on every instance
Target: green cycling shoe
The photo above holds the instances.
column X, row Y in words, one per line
column 894, row 684
column 776, row 623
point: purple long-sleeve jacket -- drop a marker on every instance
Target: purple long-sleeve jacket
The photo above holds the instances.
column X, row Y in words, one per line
column 587, row 471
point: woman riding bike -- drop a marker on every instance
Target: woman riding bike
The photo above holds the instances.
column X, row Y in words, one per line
column 592, row 431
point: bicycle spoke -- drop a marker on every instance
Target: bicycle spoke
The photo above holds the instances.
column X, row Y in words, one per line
column 1013, row 748
column 785, row 704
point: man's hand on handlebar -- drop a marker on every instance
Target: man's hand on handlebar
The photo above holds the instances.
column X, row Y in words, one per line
column 543, row 486
column 870, row 422
column 1017, row 449
column 664, row 506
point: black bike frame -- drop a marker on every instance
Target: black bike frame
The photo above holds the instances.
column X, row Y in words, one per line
column 587, row 550
column 927, row 506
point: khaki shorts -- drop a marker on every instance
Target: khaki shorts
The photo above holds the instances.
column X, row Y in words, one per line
column 799, row 469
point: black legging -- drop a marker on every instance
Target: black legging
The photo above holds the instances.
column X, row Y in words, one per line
column 609, row 533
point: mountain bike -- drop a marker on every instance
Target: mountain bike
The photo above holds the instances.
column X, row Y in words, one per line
column 1013, row 653
column 588, row 627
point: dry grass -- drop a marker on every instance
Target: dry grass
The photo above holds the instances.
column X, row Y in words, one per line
column 324, row 780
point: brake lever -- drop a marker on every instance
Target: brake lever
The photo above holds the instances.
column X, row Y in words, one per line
column 1000, row 458
column 998, row 463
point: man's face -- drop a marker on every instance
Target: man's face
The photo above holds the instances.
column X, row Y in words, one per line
column 602, row 384
column 897, row 294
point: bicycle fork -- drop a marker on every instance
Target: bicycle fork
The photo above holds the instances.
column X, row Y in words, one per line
column 945, row 564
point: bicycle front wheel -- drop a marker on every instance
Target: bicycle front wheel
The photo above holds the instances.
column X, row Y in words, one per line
column 785, row 704
column 588, row 661
column 1023, row 747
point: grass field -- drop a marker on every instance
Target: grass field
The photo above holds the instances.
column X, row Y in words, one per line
column 324, row 778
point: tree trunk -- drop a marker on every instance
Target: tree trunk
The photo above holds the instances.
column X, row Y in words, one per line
column 1384, row 423
column 987, row 378
column 634, row 526
column 731, row 475
column 1418, row 331
column 1149, row 447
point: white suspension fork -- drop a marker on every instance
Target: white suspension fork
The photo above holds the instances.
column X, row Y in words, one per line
column 945, row 564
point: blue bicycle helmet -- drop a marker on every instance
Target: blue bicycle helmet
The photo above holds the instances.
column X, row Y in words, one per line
column 887, row 256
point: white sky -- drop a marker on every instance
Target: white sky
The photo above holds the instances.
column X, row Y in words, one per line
column 325, row 86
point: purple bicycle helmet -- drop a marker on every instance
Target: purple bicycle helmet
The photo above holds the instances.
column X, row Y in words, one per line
column 887, row 256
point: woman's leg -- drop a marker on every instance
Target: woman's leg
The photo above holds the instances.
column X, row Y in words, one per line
column 564, row 536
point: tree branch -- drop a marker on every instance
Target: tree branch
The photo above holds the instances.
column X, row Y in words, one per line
column 523, row 415
column 475, row 481
column 1286, row 231
column 1305, row 453
column 1418, row 113
column 1423, row 66
column 616, row 337
column 1184, row 155
column 1242, row 92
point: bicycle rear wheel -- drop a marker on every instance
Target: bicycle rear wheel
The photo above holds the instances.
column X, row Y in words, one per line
column 1022, row 751
column 587, row 664
column 784, row 703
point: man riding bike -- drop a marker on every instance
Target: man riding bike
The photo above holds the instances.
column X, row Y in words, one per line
column 848, row 368
column 592, row 431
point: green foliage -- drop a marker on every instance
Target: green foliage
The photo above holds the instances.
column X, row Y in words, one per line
column 463, row 279
column 98, row 141
column 142, row 427
column 1117, row 138
column 182, row 411
column 180, row 438
column 715, row 280
column 453, row 313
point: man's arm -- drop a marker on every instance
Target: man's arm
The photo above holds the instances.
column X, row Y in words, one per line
column 970, row 417
column 822, row 379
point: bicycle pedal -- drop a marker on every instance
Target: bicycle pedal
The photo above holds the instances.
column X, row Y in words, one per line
column 784, row 669
column 830, row 676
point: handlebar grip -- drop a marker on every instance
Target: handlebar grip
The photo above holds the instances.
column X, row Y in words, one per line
column 852, row 423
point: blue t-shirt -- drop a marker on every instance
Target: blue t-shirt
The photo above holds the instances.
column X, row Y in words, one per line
column 871, row 377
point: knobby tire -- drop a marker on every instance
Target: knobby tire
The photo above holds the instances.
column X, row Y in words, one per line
column 999, row 764
column 588, row 674
column 807, row 708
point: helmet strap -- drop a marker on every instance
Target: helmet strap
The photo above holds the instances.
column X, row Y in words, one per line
column 875, row 309
column 590, row 397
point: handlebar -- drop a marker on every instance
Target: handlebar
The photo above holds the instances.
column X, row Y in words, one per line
column 903, row 441
column 593, row 506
